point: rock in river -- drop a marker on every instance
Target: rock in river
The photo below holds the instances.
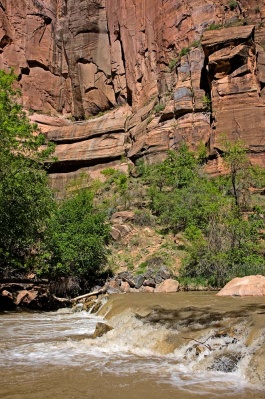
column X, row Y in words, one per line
column 244, row 286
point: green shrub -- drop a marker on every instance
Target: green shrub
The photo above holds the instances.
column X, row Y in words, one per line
column 195, row 44
column 76, row 238
column 173, row 63
column 233, row 5
column 207, row 102
column 214, row 26
column 184, row 51
column 159, row 108
column 143, row 217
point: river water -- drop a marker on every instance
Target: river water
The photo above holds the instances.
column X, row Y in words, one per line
column 183, row 345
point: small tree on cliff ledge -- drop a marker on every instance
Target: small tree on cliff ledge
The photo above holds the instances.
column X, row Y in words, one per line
column 25, row 198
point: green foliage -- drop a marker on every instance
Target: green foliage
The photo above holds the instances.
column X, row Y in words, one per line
column 196, row 44
column 233, row 22
column 228, row 248
column 214, row 26
column 25, row 199
column 184, row 51
column 143, row 217
column 207, row 102
column 233, row 5
column 159, row 108
column 240, row 172
column 76, row 238
column 172, row 63
column 222, row 241
column 176, row 171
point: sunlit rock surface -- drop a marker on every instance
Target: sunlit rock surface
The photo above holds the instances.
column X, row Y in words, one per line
column 244, row 286
column 155, row 63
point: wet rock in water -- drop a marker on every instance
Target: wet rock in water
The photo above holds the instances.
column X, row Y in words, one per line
column 77, row 308
column 226, row 363
column 88, row 305
column 244, row 286
column 256, row 369
column 200, row 349
column 96, row 307
column 168, row 286
column 101, row 329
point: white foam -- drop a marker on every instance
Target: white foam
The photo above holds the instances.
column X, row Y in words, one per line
column 53, row 338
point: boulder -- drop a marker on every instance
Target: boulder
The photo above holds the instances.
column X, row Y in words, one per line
column 149, row 283
column 244, row 286
column 119, row 231
column 101, row 329
column 6, row 301
column 123, row 216
column 139, row 280
column 168, row 285
column 21, row 296
column 125, row 286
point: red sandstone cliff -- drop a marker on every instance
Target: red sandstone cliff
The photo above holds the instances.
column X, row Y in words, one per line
column 77, row 58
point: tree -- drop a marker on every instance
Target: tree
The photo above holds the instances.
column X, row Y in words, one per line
column 223, row 242
column 240, row 173
column 76, row 238
column 25, row 197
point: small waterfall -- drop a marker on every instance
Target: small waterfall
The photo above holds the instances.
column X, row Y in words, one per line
column 190, row 343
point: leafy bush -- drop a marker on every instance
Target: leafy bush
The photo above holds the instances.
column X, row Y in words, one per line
column 233, row 5
column 143, row 217
column 222, row 240
column 184, row 51
column 159, row 108
column 173, row 63
column 76, row 238
column 207, row 102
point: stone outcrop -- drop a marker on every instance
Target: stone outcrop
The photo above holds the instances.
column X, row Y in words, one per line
column 152, row 65
column 31, row 295
column 244, row 286
column 152, row 280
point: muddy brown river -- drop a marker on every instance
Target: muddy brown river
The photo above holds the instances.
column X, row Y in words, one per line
column 183, row 345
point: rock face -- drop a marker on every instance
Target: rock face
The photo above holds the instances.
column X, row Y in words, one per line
column 170, row 77
column 245, row 286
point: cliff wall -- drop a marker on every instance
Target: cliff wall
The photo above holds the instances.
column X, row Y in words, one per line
column 160, row 70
